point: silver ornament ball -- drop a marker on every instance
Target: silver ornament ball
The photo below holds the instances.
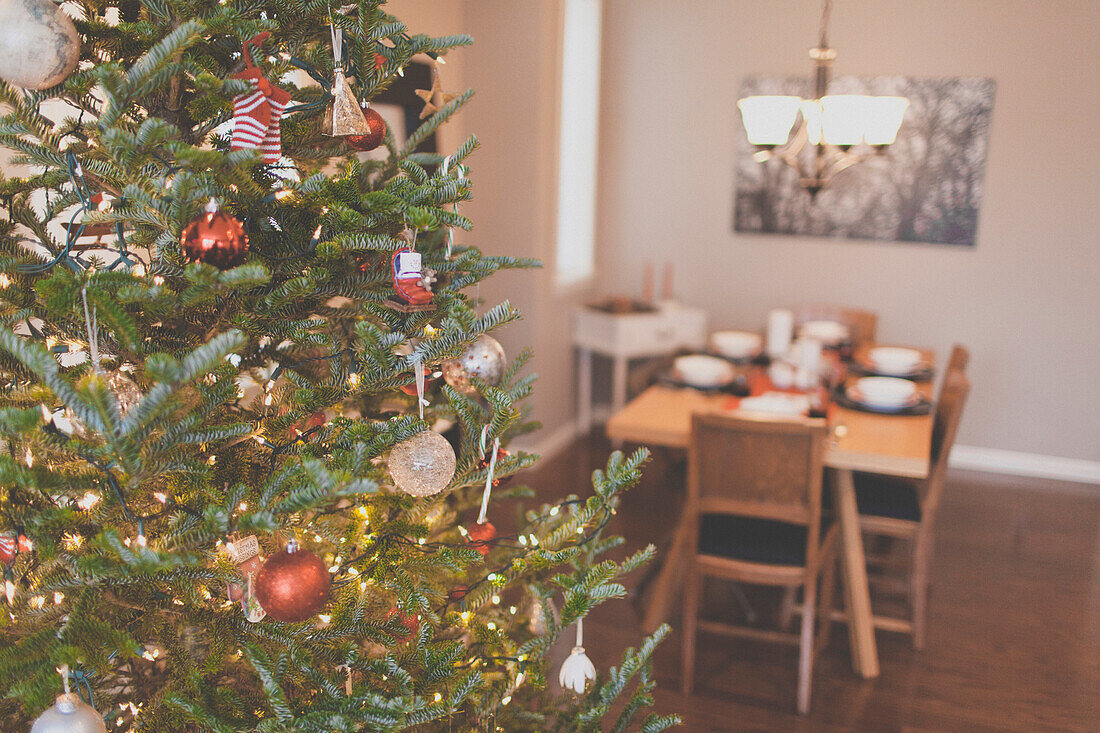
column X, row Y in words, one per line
column 484, row 359
column 69, row 714
column 423, row 465
column 41, row 45
column 125, row 390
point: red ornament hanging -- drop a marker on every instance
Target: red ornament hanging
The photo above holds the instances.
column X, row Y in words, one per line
column 12, row 544
column 372, row 139
column 293, row 584
column 457, row 593
column 215, row 238
column 482, row 536
column 410, row 622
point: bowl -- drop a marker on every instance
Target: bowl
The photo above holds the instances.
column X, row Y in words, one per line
column 736, row 344
column 886, row 392
column 894, row 360
column 700, row 370
column 829, row 333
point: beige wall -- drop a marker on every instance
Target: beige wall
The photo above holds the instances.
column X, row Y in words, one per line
column 1026, row 299
column 513, row 67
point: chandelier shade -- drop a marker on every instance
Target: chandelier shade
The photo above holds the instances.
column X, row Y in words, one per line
column 883, row 119
column 833, row 124
column 768, row 119
column 842, row 119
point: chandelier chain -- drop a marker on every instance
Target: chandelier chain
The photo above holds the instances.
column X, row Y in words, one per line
column 826, row 8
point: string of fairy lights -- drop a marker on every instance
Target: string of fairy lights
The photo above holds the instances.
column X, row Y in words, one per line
column 524, row 543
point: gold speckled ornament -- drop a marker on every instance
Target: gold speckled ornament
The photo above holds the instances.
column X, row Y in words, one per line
column 484, row 359
column 41, row 45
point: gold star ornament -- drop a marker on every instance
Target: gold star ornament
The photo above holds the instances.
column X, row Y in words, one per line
column 431, row 106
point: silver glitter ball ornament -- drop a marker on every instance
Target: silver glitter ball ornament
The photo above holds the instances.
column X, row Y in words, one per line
column 484, row 359
column 69, row 714
column 126, row 392
column 423, row 465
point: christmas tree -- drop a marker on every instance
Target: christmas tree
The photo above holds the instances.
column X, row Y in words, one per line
column 252, row 416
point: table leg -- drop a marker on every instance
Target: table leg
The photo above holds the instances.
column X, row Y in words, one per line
column 584, row 391
column 618, row 383
column 853, row 565
column 666, row 587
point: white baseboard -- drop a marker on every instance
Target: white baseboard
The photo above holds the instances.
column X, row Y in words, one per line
column 1016, row 463
column 548, row 444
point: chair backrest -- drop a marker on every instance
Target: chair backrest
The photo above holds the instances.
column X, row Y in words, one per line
column 769, row 469
column 949, row 408
column 862, row 324
column 960, row 358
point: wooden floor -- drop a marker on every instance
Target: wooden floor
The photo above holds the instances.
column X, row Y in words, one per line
column 1013, row 627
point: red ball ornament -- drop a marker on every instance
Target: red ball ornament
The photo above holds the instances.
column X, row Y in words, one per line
column 482, row 536
column 293, row 584
column 412, row 623
column 372, row 139
column 457, row 593
column 215, row 238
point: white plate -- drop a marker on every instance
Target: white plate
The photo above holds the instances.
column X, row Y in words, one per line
column 884, row 392
column 894, row 360
column 700, row 370
column 829, row 333
column 736, row 344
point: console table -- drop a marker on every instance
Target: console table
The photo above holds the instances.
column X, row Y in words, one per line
column 626, row 336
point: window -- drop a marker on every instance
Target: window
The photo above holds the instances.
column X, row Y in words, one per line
column 580, row 106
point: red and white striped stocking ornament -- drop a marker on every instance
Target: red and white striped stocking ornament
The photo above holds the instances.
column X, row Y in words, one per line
column 273, row 140
column 257, row 113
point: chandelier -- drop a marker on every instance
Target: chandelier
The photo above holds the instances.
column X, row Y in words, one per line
column 844, row 129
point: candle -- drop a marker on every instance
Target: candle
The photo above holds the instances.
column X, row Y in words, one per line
column 780, row 330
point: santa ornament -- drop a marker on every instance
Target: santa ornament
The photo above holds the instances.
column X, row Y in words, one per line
column 411, row 281
column 258, row 112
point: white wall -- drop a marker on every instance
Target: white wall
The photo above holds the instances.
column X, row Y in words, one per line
column 1026, row 299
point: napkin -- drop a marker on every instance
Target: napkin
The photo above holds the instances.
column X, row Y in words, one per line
column 776, row 403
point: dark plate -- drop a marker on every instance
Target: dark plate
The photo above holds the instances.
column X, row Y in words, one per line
column 739, row 386
column 925, row 374
column 922, row 407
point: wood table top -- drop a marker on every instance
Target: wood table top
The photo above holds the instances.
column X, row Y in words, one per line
column 896, row 445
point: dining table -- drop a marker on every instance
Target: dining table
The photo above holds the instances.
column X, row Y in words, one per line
column 888, row 444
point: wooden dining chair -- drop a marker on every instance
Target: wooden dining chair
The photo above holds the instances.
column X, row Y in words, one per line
column 959, row 360
column 862, row 324
column 906, row 509
column 754, row 516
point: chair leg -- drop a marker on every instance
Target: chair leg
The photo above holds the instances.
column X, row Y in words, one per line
column 806, row 648
column 786, row 607
column 828, row 586
column 691, row 610
column 918, row 590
